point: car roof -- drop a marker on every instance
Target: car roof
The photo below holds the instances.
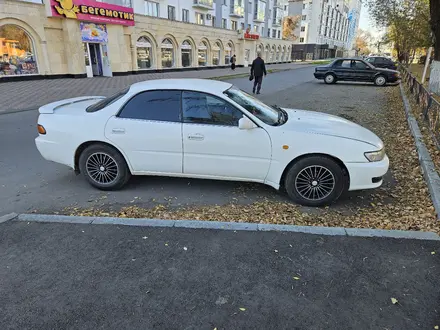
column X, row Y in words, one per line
column 200, row 85
column 349, row 59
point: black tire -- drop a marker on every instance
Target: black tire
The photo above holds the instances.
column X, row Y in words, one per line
column 99, row 162
column 380, row 80
column 296, row 186
column 330, row 79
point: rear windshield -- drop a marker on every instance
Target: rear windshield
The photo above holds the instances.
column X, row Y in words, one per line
column 107, row 101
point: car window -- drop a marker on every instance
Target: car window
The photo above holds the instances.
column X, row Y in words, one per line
column 107, row 101
column 153, row 105
column 371, row 60
column 346, row 64
column 380, row 60
column 359, row 65
column 201, row 108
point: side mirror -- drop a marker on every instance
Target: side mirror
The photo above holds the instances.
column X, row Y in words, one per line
column 246, row 123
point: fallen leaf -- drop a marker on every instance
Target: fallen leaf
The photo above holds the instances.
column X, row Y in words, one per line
column 166, row 244
column 145, row 237
column 394, row 301
column 436, row 327
column 276, row 251
column 433, row 252
column 185, row 248
column 296, row 278
column 242, row 309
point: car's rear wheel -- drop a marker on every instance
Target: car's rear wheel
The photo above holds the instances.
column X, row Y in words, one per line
column 380, row 80
column 329, row 78
column 104, row 167
column 315, row 181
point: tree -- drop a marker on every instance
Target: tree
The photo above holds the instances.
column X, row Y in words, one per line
column 362, row 41
column 290, row 24
column 407, row 22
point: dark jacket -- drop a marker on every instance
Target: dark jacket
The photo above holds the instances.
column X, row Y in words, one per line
column 258, row 68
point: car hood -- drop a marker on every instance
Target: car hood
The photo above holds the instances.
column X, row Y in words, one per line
column 386, row 70
column 323, row 124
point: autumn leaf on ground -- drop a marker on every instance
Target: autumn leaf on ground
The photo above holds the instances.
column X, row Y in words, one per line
column 433, row 252
column 436, row 327
column 242, row 309
column 296, row 278
column 394, row 301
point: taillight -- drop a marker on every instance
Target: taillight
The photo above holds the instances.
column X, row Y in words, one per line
column 41, row 129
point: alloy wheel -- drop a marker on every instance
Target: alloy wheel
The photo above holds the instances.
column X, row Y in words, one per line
column 315, row 183
column 102, row 168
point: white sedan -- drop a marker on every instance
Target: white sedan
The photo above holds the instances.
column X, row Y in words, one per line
column 208, row 129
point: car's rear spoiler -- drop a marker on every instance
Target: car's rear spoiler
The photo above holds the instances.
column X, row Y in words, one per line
column 51, row 107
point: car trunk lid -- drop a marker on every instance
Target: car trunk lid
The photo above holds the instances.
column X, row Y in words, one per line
column 70, row 106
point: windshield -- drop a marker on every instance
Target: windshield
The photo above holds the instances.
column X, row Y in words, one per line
column 265, row 113
column 107, row 101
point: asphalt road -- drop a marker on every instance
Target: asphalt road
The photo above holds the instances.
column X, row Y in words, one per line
column 66, row 276
column 28, row 182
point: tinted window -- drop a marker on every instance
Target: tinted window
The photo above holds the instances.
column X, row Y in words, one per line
column 343, row 64
column 360, row 65
column 380, row 60
column 107, row 101
column 371, row 60
column 153, row 105
column 202, row 108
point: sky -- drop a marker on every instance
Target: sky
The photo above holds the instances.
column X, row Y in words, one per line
column 366, row 23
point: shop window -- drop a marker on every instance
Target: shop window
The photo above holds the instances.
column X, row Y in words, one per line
column 18, row 55
column 144, row 53
column 228, row 53
column 203, row 54
column 216, row 54
column 186, row 50
column 167, row 53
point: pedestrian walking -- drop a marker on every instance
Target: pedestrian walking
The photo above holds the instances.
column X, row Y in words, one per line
column 233, row 60
column 258, row 69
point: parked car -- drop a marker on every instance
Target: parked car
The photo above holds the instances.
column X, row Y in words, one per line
column 352, row 69
column 209, row 130
column 382, row 62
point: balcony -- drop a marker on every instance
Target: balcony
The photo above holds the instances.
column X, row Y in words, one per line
column 237, row 8
column 276, row 22
column 203, row 4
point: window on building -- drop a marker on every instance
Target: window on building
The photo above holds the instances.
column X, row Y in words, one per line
column 242, row 26
column 186, row 53
column 234, row 25
column 185, row 15
column 304, row 17
column 154, row 105
column 303, row 28
column 201, row 108
column 167, row 53
column 172, row 13
column 279, row 34
column 304, row 6
column 144, row 53
column 216, row 54
column 268, row 33
column 274, row 33
column 200, row 19
column 213, row 21
column 228, row 52
column 262, row 31
column 224, row 23
column 203, row 54
column 256, row 28
column 151, row 8
column 18, row 52
column 301, row 39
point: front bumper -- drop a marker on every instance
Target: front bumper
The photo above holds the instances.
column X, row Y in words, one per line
column 367, row 175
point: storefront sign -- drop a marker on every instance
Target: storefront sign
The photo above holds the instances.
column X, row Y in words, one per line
column 92, row 11
column 251, row 36
column 91, row 32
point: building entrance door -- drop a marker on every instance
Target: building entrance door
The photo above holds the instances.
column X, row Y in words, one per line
column 97, row 60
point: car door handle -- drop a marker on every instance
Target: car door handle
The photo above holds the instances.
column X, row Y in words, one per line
column 196, row 137
column 118, row 130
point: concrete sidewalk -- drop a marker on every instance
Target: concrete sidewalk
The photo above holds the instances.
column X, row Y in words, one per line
column 73, row 276
column 26, row 95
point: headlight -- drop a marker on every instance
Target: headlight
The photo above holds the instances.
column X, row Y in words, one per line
column 375, row 156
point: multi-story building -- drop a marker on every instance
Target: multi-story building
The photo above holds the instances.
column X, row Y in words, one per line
column 78, row 38
column 327, row 28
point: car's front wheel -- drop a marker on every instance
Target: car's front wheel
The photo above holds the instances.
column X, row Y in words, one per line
column 329, row 78
column 104, row 167
column 380, row 80
column 315, row 181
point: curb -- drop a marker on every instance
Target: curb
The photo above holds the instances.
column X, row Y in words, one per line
column 236, row 226
column 428, row 168
column 8, row 217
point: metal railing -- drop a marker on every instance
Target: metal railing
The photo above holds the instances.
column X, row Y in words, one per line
column 429, row 105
